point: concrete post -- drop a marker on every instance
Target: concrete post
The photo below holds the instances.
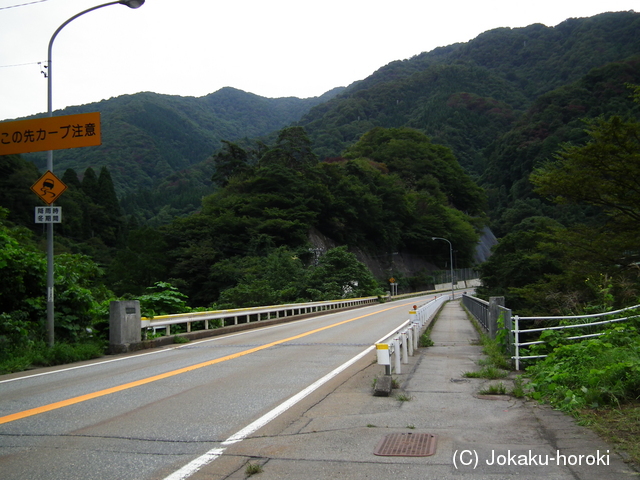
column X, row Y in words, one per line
column 124, row 325
column 494, row 314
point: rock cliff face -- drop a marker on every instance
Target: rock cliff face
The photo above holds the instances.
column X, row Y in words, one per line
column 403, row 263
column 483, row 250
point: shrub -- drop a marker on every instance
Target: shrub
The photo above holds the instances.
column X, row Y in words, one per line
column 602, row 371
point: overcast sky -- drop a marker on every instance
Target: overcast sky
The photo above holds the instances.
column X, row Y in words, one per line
column 274, row 48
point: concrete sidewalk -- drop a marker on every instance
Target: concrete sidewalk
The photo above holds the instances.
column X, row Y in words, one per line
column 493, row 437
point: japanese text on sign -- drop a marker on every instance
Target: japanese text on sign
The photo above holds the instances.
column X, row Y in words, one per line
column 48, row 214
column 50, row 133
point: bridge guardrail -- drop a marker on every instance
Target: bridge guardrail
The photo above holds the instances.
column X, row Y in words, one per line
column 578, row 321
column 402, row 343
column 513, row 324
column 259, row 313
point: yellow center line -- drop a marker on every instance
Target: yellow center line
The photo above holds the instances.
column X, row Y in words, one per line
column 89, row 396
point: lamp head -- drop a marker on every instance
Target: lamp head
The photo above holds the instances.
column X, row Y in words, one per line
column 132, row 3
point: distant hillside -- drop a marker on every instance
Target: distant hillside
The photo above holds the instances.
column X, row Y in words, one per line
column 468, row 95
column 555, row 118
column 148, row 137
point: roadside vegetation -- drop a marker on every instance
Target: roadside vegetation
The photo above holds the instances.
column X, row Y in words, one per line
column 583, row 265
column 596, row 380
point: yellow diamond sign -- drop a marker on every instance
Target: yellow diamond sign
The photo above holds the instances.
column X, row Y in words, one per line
column 49, row 187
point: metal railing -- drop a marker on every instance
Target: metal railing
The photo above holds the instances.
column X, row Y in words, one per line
column 439, row 287
column 502, row 319
column 248, row 315
column 401, row 344
column 478, row 308
column 517, row 331
column 490, row 315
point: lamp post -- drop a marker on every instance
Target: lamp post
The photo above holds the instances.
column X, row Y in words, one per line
column 450, row 260
column 50, row 281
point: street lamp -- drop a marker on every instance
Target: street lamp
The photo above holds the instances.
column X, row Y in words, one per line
column 50, row 299
column 450, row 260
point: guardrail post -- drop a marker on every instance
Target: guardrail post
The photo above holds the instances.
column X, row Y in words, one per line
column 494, row 314
column 396, row 352
column 410, row 340
column 382, row 352
column 405, row 354
column 517, row 340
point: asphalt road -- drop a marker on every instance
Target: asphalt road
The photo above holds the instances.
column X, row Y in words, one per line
column 155, row 413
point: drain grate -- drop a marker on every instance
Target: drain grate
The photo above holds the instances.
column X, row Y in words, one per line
column 407, row 445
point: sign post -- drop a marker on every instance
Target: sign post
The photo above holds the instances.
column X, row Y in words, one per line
column 48, row 134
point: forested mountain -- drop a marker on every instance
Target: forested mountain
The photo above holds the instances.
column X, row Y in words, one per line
column 491, row 110
column 468, row 95
column 393, row 191
column 555, row 118
column 464, row 96
column 147, row 137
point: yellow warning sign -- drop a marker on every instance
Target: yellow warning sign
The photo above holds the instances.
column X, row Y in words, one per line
column 50, row 133
column 49, row 187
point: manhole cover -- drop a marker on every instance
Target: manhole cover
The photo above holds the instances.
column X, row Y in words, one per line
column 407, row 445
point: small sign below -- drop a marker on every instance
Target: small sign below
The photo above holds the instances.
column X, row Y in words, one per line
column 48, row 187
column 48, row 214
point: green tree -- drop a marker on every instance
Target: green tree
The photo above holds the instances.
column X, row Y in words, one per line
column 22, row 287
column 90, row 184
column 421, row 165
column 602, row 174
column 162, row 298
column 605, row 172
column 339, row 274
column 79, row 292
column 520, row 260
column 16, row 177
column 107, row 193
column 273, row 280
column 80, row 296
column 230, row 161
column 70, row 179
column 140, row 264
column 292, row 150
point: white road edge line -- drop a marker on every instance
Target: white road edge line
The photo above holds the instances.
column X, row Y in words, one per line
column 203, row 460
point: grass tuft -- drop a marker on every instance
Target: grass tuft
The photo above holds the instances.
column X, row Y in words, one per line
column 496, row 389
column 489, row 372
column 403, row 397
column 252, row 469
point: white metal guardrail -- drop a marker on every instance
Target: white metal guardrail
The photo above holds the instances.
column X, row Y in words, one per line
column 251, row 314
column 402, row 343
column 582, row 321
